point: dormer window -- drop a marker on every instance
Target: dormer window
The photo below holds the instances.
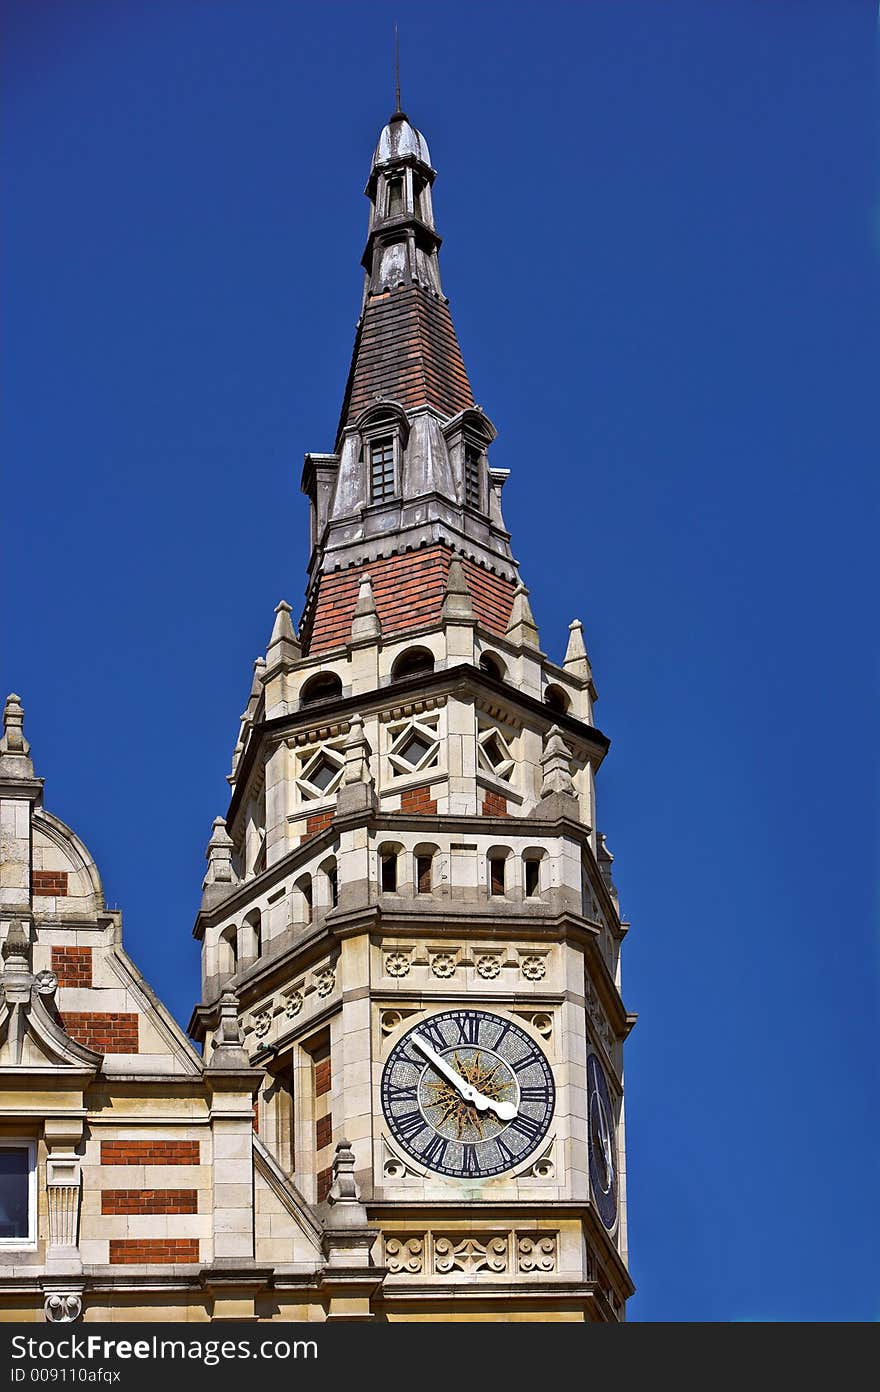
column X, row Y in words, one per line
column 382, row 469
column 472, row 488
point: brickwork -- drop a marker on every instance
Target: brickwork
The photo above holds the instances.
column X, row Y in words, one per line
column 49, row 883
column 325, row 1179
column 108, row 1032
column 494, row 805
column 408, row 590
column 318, row 822
column 417, row 800
column 72, row 965
column 151, row 1152
column 129, row 1251
column 149, row 1201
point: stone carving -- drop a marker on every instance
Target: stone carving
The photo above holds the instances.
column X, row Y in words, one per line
column 404, row 1254
column 543, row 1024
column 325, row 981
column 533, row 968
column 62, row 1308
column 471, row 1254
column 489, row 966
column 394, row 1169
column 536, row 1252
column 543, row 1168
column 443, row 964
column 262, row 1023
column 397, row 963
column 293, row 1004
column 390, row 1020
column 599, row 1019
column 45, row 983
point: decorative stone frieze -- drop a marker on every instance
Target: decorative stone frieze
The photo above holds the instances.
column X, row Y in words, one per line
column 471, row 1254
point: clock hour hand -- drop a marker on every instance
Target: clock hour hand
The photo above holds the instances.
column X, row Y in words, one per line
column 505, row 1111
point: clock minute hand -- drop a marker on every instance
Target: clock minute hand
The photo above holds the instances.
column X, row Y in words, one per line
column 505, row 1111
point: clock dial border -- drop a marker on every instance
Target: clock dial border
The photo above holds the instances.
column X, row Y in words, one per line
column 517, row 1067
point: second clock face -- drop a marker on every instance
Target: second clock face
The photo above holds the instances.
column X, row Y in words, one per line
column 467, row 1093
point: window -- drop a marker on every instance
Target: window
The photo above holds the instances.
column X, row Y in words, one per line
column 382, row 469
column 326, row 686
column 412, row 663
column 304, row 885
column 556, row 699
column 496, row 874
column 423, row 874
column 492, row 664
column 227, row 954
column 17, row 1193
column 333, row 882
column 388, row 863
column 472, row 476
column 533, row 878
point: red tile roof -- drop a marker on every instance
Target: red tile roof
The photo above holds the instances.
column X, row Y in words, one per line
column 409, row 591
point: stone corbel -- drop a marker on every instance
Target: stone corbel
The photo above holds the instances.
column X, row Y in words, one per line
column 63, row 1190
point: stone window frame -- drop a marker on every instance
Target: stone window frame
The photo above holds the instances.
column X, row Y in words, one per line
column 487, row 731
column 383, row 420
column 27, row 1243
column 330, row 751
column 428, row 728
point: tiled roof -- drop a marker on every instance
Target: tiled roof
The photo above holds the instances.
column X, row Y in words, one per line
column 408, row 590
column 406, row 350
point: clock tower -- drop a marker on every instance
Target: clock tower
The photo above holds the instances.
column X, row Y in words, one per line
column 408, row 904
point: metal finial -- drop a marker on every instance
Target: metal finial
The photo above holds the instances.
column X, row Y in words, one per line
column 397, row 106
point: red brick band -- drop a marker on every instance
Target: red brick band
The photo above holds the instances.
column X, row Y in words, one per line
column 152, row 1152
column 108, row 1032
column 417, row 800
column 49, row 883
column 128, row 1251
column 325, row 1179
column 494, row 805
column 149, row 1201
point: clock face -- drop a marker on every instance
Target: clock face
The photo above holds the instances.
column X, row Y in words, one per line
column 467, row 1094
column 603, row 1145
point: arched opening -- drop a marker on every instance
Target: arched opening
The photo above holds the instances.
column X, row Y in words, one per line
column 491, row 664
column 328, row 870
column 414, row 662
column 532, row 873
column 556, row 699
column 324, row 686
column 227, row 951
column 303, row 887
column 423, row 868
column 496, row 870
column 250, row 937
column 389, row 865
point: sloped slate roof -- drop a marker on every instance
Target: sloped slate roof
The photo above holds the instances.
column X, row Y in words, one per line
column 406, row 350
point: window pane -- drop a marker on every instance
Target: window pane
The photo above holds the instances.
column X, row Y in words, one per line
column 14, row 1186
column 382, row 470
column 472, row 476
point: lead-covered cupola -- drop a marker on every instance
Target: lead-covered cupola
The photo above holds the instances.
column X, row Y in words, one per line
column 410, row 470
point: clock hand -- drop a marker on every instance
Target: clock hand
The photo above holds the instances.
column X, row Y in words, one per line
column 505, row 1111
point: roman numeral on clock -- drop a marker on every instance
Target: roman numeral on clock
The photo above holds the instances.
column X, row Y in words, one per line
column 526, row 1126
column 434, row 1151
column 468, row 1027
column 409, row 1125
column 393, row 1093
column 431, row 1032
column 533, row 1094
column 469, row 1164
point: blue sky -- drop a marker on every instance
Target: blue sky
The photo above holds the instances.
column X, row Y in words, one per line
column 662, row 232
